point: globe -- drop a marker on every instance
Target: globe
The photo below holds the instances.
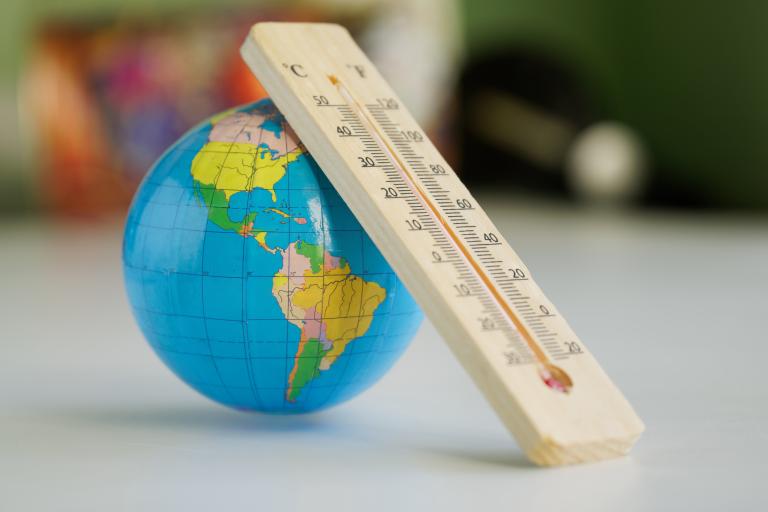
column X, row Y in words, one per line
column 250, row 277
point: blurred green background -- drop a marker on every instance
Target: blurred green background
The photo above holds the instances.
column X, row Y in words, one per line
column 691, row 76
column 688, row 77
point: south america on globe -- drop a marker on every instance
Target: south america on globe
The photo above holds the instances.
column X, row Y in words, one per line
column 250, row 277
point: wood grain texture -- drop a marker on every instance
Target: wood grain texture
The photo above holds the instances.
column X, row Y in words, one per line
column 503, row 329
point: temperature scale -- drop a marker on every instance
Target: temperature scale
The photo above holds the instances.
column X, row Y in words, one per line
column 538, row 376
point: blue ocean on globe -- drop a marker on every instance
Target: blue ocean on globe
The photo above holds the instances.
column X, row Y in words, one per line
column 250, row 277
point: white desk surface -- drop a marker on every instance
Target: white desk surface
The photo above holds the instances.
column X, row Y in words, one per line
column 674, row 306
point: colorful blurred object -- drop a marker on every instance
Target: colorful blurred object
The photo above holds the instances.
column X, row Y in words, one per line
column 103, row 99
column 107, row 99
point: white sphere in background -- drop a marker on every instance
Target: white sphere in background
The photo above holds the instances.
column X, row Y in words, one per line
column 607, row 163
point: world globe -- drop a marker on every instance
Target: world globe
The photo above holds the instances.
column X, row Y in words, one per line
column 250, row 277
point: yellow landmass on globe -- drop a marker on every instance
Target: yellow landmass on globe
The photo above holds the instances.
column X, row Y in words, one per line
column 261, row 238
column 346, row 297
column 318, row 293
column 279, row 212
column 233, row 167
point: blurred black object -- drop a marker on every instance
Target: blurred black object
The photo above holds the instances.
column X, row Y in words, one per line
column 528, row 122
column 519, row 112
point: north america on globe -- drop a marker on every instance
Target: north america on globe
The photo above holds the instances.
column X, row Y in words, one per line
column 251, row 278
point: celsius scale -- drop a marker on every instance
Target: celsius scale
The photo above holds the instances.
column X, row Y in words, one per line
column 540, row 378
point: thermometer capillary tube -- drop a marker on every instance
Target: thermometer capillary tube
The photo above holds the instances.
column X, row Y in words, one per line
column 553, row 376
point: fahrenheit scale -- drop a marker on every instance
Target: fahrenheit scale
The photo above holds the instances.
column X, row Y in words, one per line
column 539, row 377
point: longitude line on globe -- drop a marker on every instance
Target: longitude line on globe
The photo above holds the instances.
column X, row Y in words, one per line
column 202, row 281
column 287, row 255
column 245, row 277
column 164, row 272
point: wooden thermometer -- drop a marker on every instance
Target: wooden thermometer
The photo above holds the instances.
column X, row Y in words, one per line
column 541, row 380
